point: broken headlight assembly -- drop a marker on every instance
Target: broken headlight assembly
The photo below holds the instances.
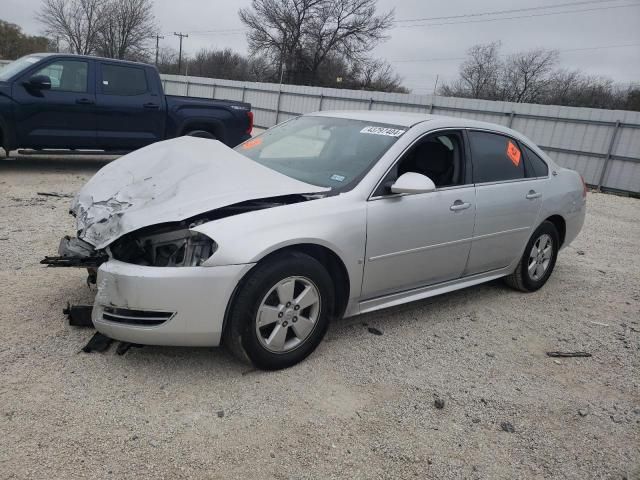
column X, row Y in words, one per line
column 176, row 248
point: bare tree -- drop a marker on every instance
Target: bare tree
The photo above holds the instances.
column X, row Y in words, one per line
column 168, row 60
column 376, row 75
column 126, row 28
column 479, row 74
column 532, row 77
column 220, row 64
column 526, row 75
column 346, row 27
column 300, row 35
column 76, row 22
column 276, row 28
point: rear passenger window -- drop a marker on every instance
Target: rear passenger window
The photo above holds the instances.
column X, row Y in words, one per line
column 535, row 166
column 121, row 80
column 495, row 157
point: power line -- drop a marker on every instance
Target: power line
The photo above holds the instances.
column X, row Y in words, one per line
column 520, row 16
column 446, row 59
column 501, row 12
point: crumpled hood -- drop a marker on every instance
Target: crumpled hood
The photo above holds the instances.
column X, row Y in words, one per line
column 171, row 181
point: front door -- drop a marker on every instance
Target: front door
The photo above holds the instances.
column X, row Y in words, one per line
column 421, row 239
column 61, row 117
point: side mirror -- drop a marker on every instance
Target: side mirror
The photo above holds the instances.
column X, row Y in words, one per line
column 39, row 82
column 412, row 182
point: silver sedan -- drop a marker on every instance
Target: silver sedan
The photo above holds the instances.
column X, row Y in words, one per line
column 327, row 215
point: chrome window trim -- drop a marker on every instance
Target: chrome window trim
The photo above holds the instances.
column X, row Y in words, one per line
column 443, row 129
column 515, row 180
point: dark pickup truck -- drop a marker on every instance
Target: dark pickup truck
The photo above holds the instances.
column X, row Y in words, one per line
column 82, row 102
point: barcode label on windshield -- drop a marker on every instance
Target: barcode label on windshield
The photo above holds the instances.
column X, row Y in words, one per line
column 389, row 132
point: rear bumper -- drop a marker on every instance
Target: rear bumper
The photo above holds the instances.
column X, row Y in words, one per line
column 575, row 220
column 190, row 301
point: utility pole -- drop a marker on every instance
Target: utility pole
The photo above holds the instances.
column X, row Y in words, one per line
column 181, row 35
column 158, row 37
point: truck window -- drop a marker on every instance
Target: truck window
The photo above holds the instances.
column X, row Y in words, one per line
column 123, row 80
column 67, row 75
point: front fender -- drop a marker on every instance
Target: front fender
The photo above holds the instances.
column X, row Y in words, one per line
column 334, row 223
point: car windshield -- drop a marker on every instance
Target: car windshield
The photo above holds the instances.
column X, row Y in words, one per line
column 323, row 151
column 17, row 66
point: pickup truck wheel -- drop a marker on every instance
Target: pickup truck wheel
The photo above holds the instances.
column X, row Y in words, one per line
column 201, row 134
column 281, row 311
column 538, row 259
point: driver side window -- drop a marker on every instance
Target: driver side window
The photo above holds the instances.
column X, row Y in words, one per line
column 67, row 75
column 439, row 156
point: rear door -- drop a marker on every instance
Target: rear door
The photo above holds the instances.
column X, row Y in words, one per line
column 62, row 117
column 507, row 201
column 130, row 108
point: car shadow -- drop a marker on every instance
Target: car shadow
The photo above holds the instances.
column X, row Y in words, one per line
column 53, row 163
column 218, row 359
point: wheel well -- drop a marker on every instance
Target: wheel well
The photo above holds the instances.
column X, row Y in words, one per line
column 560, row 225
column 213, row 128
column 334, row 266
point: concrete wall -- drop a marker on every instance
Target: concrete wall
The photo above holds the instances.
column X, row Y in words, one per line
column 603, row 145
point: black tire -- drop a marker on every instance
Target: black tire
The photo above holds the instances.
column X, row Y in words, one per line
column 201, row 134
column 521, row 279
column 241, row 336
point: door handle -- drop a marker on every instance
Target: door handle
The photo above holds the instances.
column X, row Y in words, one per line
column 151, row 105
column 84, row 101
column 533, row 194
column 459, row 205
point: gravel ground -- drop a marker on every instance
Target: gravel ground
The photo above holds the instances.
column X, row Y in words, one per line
column 362, row 406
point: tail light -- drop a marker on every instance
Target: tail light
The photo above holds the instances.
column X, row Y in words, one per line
column 584, row 187
column 250, row 127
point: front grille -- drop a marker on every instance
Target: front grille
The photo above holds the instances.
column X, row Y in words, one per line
column 135, row 317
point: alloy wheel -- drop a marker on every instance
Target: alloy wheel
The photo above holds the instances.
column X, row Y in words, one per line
column 288, row 314
column 540, row 257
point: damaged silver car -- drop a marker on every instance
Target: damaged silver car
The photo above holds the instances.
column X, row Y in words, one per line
column 328, row 215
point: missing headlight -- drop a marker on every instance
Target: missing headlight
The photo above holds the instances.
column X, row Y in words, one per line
column 177, row 248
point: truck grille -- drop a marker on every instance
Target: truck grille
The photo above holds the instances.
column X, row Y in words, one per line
column 135, row 317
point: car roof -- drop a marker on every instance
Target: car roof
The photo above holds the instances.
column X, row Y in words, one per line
column 409, row 119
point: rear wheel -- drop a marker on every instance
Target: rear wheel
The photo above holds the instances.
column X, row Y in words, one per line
column 538, row 260
column 201, row 134
column 281, row 312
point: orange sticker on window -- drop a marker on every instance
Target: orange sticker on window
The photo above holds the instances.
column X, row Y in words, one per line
column 254, row 142
column 513, row 153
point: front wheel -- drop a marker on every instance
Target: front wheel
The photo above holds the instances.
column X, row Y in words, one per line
column 538, row 260
column 281, row 312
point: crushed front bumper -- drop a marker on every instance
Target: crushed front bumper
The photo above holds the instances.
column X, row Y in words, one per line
column 164, row 305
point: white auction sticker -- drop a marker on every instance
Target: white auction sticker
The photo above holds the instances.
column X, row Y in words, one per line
column 389, row 132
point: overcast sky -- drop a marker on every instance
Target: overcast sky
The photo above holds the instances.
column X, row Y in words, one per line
column 431, row 48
